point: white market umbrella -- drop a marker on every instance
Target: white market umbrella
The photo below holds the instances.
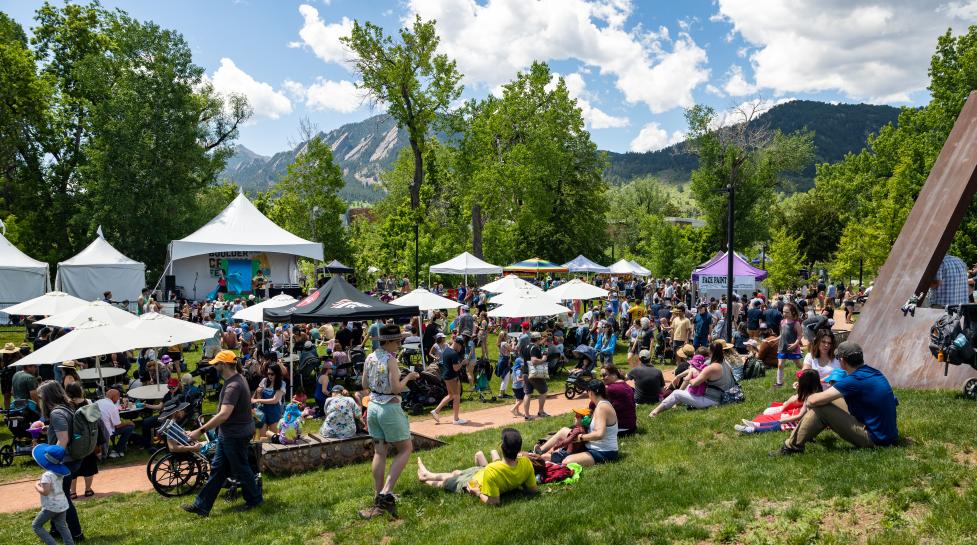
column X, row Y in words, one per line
column 528, row 304
column 577, row 289
column 255, row 313
column 95, row 311
column 425, row 300
column 504, row 284
column 516, row 294
column 49, row 304
column 152, row 330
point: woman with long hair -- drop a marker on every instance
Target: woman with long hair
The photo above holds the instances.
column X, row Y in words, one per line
column 821, row 357
column 89, row 464
column 718, row 377
column 268, row 396
column 789, row 343
column 57, row 409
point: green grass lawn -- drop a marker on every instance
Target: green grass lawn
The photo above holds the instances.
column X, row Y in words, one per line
column 686, row 478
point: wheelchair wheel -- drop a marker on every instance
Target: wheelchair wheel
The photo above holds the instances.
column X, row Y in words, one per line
column 153, row 458
column 6, row 455
column 177, row 475
column 970, row 388
column 570, row 392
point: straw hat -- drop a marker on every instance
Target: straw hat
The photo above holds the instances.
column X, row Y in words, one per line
column 391, row 332
column 686, row 351
column 70, row 364
column 9, row 348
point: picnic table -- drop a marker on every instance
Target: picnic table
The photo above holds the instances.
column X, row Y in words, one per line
column 151, row 392
column 91, row 374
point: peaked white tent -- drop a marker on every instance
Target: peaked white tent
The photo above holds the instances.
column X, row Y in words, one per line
column 639, row 270
column 624, row 266
column 100, row 268
column 247, row 239
column 21, row 277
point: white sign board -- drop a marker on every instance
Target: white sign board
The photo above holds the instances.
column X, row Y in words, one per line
column 740, row 283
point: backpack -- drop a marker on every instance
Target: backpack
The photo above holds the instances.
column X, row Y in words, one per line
column 753, row 368
column 942, row 335
column 83, row 431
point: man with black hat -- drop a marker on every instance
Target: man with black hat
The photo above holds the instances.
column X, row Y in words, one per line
column 870, row 420
column 386, row 419
column 236, row 427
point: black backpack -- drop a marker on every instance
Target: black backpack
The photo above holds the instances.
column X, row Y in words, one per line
column 753, row 368
column 942, row 334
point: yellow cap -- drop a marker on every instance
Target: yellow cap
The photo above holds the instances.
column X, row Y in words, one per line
column 224, row 356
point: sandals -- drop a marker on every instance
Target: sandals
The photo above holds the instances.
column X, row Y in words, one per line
column 73, row 496
column 89, row 493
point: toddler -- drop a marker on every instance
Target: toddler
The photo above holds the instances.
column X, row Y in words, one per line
column 54, row 504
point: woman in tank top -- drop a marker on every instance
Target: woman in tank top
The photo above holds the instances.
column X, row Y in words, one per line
column 789, row 345
column 717, row 376
column 600, row 439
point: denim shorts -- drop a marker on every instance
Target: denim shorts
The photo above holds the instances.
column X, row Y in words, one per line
column 788, row 356
column 387, row 422
column 273, row 413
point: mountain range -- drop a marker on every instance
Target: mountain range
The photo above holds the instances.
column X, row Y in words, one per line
column 366, row 148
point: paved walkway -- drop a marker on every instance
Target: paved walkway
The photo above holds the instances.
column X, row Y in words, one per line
column 20, row 495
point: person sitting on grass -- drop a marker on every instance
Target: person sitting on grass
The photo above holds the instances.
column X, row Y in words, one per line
column 784, row 416
column 600, row 441
column 621, row 396
column 870, row 420
column 488, row 481
column 717, row 376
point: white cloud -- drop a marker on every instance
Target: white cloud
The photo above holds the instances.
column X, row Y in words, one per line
column 494, row 40
column 736, row 85
column 594, row 117
column 875, row 52
column 321, row 38
column 713, row 90
column 653, row 137
column 341, row 96
column 265, row 101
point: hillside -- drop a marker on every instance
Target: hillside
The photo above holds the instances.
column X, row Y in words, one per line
column 838, row 129
column 366, row 148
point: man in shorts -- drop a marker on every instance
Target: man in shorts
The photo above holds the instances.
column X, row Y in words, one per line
column 385, row 418
column 536, row 375
column 488, row 481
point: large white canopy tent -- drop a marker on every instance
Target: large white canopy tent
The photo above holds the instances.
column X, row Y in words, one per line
column 100, row 268
column 242, row 235
column 624, row 266
column 464, row 264
column 21, row 276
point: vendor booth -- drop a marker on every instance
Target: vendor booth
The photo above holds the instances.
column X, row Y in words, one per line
column 21, row 277
column 711, row 278
column 242, row 247
column 100, row 268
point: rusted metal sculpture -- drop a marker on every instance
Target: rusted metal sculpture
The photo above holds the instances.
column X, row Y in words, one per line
column 897, row 344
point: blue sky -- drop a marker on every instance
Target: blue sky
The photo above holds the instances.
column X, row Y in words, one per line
column 633, row 65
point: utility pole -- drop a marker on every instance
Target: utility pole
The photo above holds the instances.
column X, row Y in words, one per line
column 729, row 259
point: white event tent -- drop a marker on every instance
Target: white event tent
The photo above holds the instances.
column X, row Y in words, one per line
column 100, row 268
column 241, row 234
column 21, row 276
column 624, row 266
column 464, row 264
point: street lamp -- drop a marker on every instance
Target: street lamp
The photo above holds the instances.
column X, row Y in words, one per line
column 729, row 258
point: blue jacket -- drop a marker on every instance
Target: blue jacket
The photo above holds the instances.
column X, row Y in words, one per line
column 608, row 346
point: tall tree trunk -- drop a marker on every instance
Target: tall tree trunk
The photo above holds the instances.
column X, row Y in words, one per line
column 415, row 203
column 477, row 226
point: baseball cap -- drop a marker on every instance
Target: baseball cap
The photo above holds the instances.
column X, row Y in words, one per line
column 460, row 340
column 644, row 355
column 848, row 349
column 525, row 325
column 439, row 335
column 535, row 335
column 336, row 388
column 224, row 356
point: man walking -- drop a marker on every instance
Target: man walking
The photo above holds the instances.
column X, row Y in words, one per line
column 236, row 427
column 870, row 420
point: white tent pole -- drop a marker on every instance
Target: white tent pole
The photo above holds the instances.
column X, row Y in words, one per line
column 291, row 357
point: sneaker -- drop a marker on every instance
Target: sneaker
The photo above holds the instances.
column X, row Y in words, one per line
column 778, row 385
column 436, row 417
column 543, row 415
column 114, row 454
column 505, row 396
column 389, row 504
column 191, row 508
column 742, row 428
column 786, row 451
column 460, row 422
column 373, row 511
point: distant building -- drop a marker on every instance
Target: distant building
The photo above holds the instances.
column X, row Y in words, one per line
column 691, row 222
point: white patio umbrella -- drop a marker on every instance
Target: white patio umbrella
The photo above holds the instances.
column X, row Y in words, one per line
column 576, row 289
column 515, row 294
column 49, row 304
column 90, row 339
column 153, row 330
column 505, row 284
column 527, row 304
column 424, row 300
column 254, row 313
column 97, row 311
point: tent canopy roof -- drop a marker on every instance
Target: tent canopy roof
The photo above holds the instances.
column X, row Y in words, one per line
column 242, row 227
column 100, row 252
column 584, row 265
column 623, row 266
column 12, row 258
column 335, row 266
column 718, row 266
column 465, row 263
column 535, row 265
column 336, row 301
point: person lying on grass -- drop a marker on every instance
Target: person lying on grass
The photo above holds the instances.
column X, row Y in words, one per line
column 784, row 416
column 487, row 481
column 600, row 441
column 870, row 420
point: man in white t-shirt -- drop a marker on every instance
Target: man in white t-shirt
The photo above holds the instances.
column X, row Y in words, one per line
column 116, row 427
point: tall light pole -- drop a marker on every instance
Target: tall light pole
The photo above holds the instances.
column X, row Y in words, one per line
column 729, row 255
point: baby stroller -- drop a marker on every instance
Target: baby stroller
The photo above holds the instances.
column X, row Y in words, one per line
column 952, row 341
column 663, row 347
column 307, row 372
column 180, row 473
column 426, row 391
column 19, row 419
column 483, row 375
column 582, row 373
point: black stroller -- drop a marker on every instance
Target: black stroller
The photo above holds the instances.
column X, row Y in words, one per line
column 953, row 339
column 426, row 391
column 582, row 373
column 20, row 416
